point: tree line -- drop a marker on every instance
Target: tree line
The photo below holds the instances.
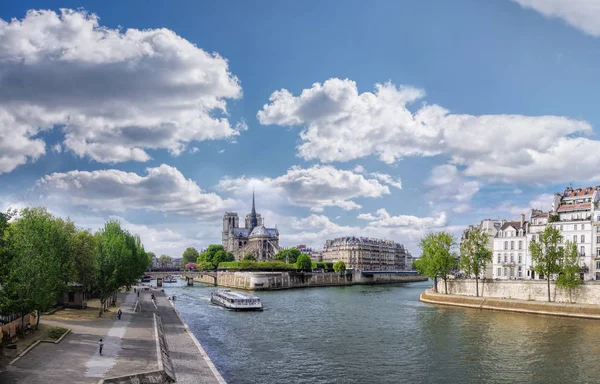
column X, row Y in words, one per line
column 43, row 256
column 551, row 258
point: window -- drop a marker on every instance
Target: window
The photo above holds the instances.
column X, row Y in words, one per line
column 505, row 245
column 520, row 272
column 512, row 245
column 533, row 237
column 598, row 218
column 512, row 272
column 499, row 273
column 505, row 272
column 520, row 259
column 597, row 239
column 561, row 227
column 598, row 229
column 583, row 238
column 575, row 239
column 582, row 250
column 520, row 244
column 597, row 264
column 575, row 226
column 505, row 256
column 598, row 252
column 512, row 258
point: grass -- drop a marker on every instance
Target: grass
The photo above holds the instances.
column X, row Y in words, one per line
column 56, row 332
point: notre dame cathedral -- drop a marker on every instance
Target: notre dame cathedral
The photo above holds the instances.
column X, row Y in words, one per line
column 253, row 238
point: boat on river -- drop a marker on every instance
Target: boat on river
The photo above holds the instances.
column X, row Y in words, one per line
column 170, row 279
column 236, row 301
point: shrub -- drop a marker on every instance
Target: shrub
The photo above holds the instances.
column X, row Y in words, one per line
column 56, row 332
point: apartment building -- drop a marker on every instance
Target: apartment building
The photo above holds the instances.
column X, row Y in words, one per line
column 510, row 250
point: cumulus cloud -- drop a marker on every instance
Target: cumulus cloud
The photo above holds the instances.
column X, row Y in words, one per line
column 163, row 189
column 316, row 187
column 114, row 93
column 342, row 124
column 581, row 14
column 383, row 177
column 447, row 186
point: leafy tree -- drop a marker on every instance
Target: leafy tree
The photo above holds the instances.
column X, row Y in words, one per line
column 151, row 255
column 474, row 255
column 191, row 266
column 304, row 263
column 437, row 257
column 249, row 257
column 546, row 253
column 205, row 266
column 83, row 247
column 220, row 257
column 164, row 260
column 569, row 268
column 288, row 255
column 190, row 255
column 339, row 266
column 210, row 253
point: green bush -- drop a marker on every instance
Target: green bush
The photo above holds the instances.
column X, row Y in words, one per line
column 56, row 332
column 246, row 265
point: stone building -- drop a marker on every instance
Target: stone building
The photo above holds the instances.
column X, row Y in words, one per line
column 491, row 228
column 510, row 250
column 254, row 238
column 367, row 254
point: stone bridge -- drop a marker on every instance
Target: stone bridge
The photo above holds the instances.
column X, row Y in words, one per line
column 185, row 275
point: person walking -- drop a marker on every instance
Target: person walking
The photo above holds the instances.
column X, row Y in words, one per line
column 100, row 346
column 119, row 314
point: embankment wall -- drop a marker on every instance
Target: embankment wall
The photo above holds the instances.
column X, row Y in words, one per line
column 287, row 280
column 536, row 290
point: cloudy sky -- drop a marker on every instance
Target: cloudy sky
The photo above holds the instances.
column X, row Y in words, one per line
column 383, row 118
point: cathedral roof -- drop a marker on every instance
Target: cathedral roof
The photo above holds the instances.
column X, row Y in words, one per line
column 261, row 231
column 240, row 232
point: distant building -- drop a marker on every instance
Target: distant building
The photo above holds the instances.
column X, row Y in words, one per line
column 510, row 250
column 491, row 228
column 368, row 254
column 254, row 238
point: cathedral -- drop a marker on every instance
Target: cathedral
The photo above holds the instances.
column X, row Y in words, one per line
column 253, row 238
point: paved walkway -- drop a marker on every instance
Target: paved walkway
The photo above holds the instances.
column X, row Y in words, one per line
column 129, row 346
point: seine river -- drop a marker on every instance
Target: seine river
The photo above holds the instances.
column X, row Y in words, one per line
column 383, row 334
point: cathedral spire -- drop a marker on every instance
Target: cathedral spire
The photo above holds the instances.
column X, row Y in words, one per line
column 253, row 218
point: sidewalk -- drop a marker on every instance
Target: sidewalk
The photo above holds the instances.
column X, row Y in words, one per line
column 128, row 346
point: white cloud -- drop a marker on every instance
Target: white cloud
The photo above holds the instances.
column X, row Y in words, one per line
column 383, row 177
column 163, row 189
column 581, row 14
column 115, row 93
column 57, row 148
column 542, row 201
column 343, row 125
column 317, row 187
column 194, row 149
column 517, row 191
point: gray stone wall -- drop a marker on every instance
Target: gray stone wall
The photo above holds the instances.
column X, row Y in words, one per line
column 537, row 290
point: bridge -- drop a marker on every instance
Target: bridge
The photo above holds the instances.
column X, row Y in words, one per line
column 399, row 273
column 188, row 276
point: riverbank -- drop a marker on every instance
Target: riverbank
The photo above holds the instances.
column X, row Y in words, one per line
column 270, row 281
column 513, row 305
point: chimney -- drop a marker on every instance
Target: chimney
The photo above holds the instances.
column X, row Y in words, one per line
column 522, row 219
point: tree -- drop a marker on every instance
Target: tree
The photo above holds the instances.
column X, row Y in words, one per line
column 568, row 276
column 222, row 256
column 304, row 263
column 546, row 254
column 474, row 255
column 83, row 247
column 288, row 255
column 191, row 266
column 249, row 257
column 339, row 266
column 190, row 255
column 205, row 266
column 209, row 254
column 437, row 257
column 164, row 260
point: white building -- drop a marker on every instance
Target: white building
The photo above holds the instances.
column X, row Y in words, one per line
column 510, row 250
column 491, row 228
column 537, row 224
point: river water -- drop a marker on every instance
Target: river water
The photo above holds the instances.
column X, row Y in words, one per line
column 383, row 334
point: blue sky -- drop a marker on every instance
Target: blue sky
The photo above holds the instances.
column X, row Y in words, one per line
column 384, row 118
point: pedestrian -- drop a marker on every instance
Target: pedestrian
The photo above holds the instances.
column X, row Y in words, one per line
column 100, row 346
column 138, row 294
column 119, row 314
column 134, row 290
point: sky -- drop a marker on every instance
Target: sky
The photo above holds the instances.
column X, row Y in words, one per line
column 387, row 119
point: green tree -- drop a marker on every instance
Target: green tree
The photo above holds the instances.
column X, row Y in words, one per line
column 546, row 254
column 205, row 266
column 210, row 253
column 568, row 276
column 222, row 256
column 288, row 255
column 83, row 247
column 249, row 257
column 437, row 258
column 164, row 260
column 190, row 255
column 474, row 255
column 304, row 263
column 339, row 266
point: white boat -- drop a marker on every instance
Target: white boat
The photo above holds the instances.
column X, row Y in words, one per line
column 236, row 301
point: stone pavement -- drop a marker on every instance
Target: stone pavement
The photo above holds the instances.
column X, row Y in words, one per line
column 129, row 345
column 189, row 364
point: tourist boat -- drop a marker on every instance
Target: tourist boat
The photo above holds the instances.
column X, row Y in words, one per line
column 169, row 279
column 236, row 301
column 146, row 279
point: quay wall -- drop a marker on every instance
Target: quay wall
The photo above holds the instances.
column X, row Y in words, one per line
column 257, row 281
column 532, row 290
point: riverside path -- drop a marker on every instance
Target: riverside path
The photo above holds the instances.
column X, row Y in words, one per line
column 130, row 346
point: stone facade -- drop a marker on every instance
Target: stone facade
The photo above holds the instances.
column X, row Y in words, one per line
column 254, row 238
column 367, row 254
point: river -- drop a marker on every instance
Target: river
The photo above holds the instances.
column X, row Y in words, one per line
column 383, row 334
